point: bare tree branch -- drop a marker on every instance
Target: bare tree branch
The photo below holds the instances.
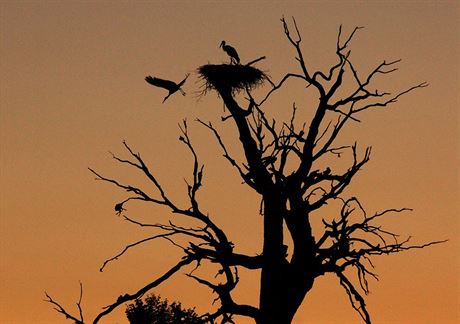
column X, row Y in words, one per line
column 61, row 309
column 356, row 300
column 129, row 246
column 256, row 60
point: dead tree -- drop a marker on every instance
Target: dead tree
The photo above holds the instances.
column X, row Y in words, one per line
column 282, row 165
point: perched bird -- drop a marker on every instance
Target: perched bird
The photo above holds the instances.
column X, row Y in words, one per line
column 119, row 208
column 171, row 86
column 234, row 58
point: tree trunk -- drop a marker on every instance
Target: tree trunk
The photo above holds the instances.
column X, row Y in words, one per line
column 283, row 285
column 275, row 269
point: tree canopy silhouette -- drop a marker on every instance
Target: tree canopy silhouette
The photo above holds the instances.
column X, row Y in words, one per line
column 154, row 310
column 290, row 165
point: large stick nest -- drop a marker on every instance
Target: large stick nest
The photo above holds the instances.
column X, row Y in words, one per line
column 233, row 78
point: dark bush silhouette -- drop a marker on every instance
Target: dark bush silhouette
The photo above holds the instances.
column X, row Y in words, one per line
column 154, row 310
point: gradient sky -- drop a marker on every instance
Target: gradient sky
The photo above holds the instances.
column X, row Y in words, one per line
column 72, row 88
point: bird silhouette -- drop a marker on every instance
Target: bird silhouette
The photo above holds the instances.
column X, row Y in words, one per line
column 119, row 208
column 234, row 58
column 171, row 86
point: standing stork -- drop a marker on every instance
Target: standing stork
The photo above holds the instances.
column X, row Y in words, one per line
column 234, row 58
column 171, row 86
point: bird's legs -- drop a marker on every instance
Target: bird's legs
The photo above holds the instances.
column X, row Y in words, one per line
column 166, row 97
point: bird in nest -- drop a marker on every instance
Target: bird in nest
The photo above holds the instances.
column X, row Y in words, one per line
column 231, row 51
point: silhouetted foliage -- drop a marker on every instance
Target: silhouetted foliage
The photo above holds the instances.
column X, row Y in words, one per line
column 154, row 310
column 291, row 166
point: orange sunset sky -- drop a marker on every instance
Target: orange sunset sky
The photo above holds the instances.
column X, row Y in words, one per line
column 72, row 88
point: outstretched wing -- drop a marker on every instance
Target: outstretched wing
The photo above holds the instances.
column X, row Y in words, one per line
column 183, row 81
column 157, row 82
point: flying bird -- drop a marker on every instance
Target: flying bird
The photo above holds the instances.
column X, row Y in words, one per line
column 171, row 86
column 234, row 58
